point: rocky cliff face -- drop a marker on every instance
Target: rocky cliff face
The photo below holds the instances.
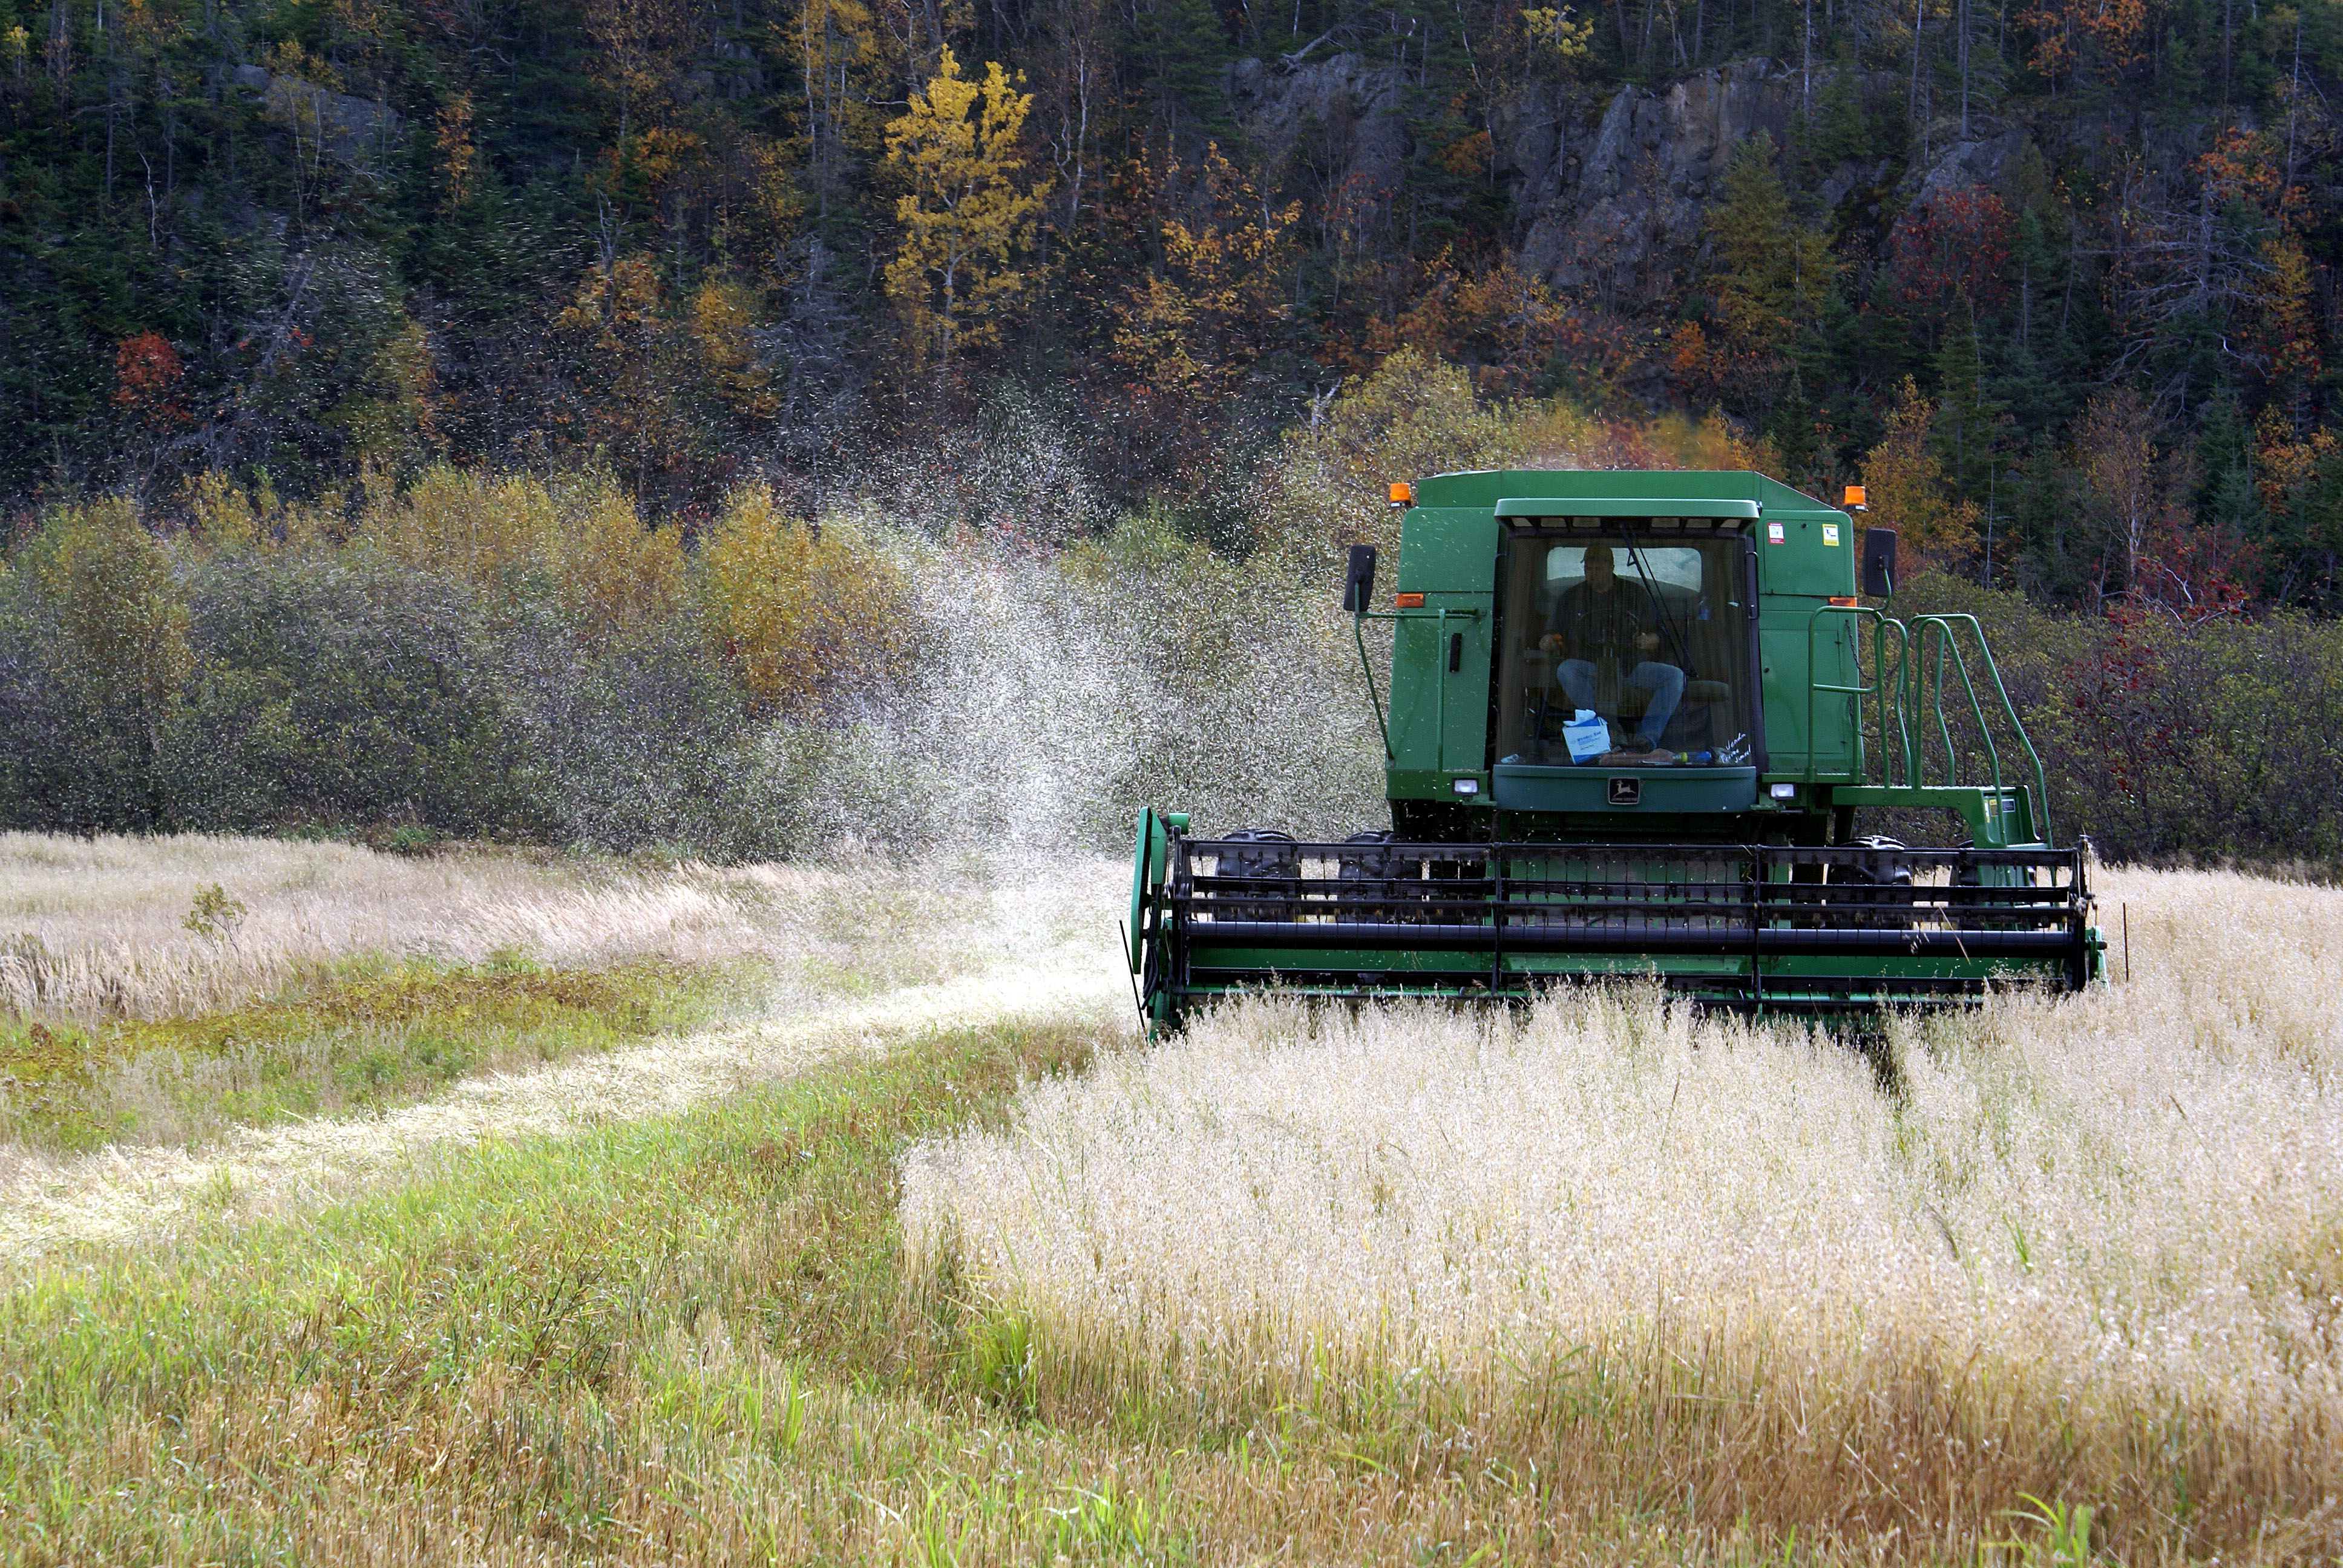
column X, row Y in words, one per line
column 1611, row 194
column 358, row 132
column 1352, row 109
column 1615, row 211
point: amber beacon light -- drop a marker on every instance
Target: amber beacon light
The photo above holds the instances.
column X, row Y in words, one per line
column 1403, row 494
column 1853, row 500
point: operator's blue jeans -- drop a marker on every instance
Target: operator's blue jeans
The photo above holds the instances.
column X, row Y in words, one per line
column 1662, row 683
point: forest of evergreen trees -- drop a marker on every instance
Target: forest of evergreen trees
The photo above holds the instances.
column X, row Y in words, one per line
column 693, row 243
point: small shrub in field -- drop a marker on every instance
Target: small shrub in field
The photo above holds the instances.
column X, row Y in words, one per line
column 412, row 839
column 214, row 914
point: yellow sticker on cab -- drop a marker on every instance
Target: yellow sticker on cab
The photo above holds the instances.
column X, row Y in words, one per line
column 1830, row 535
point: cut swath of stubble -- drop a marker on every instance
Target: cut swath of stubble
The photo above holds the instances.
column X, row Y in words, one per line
column 2090, row 1250
column 250, row 1172
column 856, row 957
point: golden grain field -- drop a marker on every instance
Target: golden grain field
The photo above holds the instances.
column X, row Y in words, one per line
column 2055, row 1282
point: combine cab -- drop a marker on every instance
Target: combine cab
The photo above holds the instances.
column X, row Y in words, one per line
column 1632, row 719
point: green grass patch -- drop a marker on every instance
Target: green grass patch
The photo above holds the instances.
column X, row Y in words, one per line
column 359, row 1038
column 680, row 1339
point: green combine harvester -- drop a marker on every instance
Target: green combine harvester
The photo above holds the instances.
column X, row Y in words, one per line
column 1632, row 719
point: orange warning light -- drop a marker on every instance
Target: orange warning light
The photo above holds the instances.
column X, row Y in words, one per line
column 1403, row 494
column 1853, row 499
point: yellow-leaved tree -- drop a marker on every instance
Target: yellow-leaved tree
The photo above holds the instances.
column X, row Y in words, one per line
column 228, row 517
column 618, row 574
column 1326, row 486
column 491, row 532
column 1904, row 485
column 807, row 616
column 967, row 215
column 510, row 537
column 723, row 324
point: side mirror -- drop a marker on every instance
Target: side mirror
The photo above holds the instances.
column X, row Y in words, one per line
column 1879, row 562
column 1359, row 583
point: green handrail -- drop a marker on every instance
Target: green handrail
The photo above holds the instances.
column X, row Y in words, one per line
column 1949, row 651
column 1946, row 630
column 1904, row 741
column 1366, row 667
column 1909, row 666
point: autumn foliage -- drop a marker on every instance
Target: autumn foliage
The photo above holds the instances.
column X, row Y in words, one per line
column 1903, row 487
column 811, row 619
column 539, row 657
column 146, row 379
column 970, row 214
column 307, row 249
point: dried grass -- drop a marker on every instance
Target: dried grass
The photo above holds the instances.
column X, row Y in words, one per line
column 92, row 929
column 2090, row 1250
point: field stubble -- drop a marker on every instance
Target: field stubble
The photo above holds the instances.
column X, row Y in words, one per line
column 2089, row 1251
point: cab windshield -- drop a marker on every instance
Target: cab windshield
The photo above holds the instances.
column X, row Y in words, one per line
column 1625, row 642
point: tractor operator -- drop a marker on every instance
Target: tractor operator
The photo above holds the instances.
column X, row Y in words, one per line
column 1597, row 619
